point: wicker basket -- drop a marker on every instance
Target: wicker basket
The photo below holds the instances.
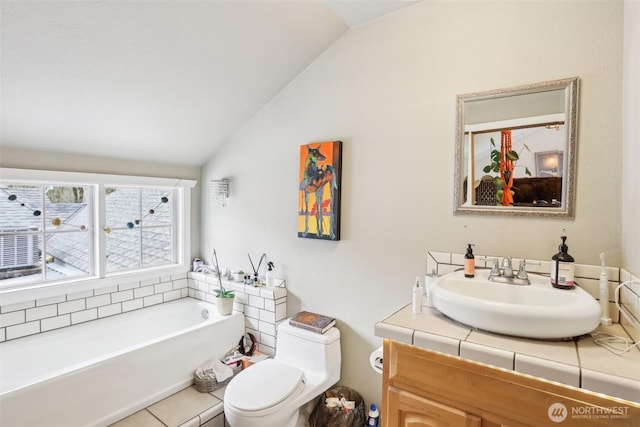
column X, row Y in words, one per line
column 205, row 385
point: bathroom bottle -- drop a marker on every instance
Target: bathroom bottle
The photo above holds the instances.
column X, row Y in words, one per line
column 418, row 292
column 469, row 263
column 373, row 420
column 269, row 275
column 562, row 268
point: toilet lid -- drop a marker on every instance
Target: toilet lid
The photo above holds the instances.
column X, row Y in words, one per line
column 263, row 385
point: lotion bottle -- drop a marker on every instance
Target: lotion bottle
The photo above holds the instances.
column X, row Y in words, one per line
column 469, row 262
column 562, row 268
column 417, row 297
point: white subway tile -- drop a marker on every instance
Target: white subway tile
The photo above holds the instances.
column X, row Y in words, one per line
column 79, row 295
column 268, row 316
column 99, row 301
column 42, row 312
column 148, row 282
column 12, row 318
column 162, row 287
column 184, row 292
column 84, row 316
column 109, row 310
column 171, row 295
column 132, row 305
column 268, row 340
column 242, row 298
column 165, row 278
column 251, row 323
column 71, row 306
column 128, row 286
column 269, row 304
column 51, row 300
column 281, row 311
column 3, row 336
column 267, row 328
column 178, row 276
column 180, row 283
column 255, row 301
column 107, row 290
column 125, row 295
column 23, row 329
column 19, row 306
column 152, row 300
column 252, row 312
column 55, row 322
column 144, row 291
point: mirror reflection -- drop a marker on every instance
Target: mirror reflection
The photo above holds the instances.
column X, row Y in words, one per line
column 515, row 150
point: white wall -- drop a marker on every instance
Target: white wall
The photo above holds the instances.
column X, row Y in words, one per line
column 388, row 89
column 631, row 139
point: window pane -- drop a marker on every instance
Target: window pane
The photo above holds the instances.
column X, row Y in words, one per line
column 156, row 246
column 20, row 207
column 67, row 209
column 67, row 254
column 156, row 207
column 123, row 250
column 20, row 242
column 122, row 207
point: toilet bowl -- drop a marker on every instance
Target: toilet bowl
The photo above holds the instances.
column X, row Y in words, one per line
column 272, row 392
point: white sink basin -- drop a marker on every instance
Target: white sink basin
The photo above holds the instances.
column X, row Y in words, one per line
column 532, row 311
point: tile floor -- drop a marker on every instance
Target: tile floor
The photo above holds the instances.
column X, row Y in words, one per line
column 186, row 408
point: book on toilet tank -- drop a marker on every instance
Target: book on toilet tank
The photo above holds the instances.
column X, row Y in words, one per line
column 314, row 322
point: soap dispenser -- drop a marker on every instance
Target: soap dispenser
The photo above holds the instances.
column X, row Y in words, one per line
column 562, row 268
column 469, row 262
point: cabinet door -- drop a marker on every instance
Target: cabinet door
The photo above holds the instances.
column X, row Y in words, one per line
column 409, row 410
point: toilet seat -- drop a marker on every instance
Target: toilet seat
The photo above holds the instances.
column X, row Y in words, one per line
column 279, row 379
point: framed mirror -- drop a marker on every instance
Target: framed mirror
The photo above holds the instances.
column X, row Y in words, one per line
column 516, row 150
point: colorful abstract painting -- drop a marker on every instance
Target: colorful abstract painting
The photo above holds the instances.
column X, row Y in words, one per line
column 319, row 190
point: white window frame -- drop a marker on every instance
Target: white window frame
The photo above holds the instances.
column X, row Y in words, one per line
column 99, row 278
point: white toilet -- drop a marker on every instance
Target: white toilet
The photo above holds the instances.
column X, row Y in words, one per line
column 272, row 392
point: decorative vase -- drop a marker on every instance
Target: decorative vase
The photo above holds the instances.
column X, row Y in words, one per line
column 224, row 306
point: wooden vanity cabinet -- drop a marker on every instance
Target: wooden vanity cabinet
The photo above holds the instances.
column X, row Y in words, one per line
column 427, row 388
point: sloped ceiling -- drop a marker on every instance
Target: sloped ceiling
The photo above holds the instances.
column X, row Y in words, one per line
column 162, row 81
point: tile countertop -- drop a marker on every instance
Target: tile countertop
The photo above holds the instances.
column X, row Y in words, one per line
column 578, row 363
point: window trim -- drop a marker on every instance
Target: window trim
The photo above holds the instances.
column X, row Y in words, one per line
column 100, row 279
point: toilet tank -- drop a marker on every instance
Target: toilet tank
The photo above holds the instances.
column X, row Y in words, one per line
column 309, row 351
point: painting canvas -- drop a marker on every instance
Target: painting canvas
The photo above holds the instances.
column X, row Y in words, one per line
column 319, row 190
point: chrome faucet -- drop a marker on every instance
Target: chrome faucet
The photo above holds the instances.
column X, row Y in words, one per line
column 507, row 269
column 522, row 270
column 506, row 274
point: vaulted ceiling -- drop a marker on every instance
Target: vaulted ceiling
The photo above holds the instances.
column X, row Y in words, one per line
column 162, row 81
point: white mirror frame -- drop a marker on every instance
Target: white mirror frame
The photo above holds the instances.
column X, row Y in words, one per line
column 567, row 208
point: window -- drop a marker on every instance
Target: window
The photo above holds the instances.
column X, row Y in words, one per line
column 88, row 227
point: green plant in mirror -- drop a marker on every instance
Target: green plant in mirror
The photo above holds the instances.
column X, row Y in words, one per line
column 494, row 167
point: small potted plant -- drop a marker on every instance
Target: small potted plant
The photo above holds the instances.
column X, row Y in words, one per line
column 238, row 276
column 224, row 297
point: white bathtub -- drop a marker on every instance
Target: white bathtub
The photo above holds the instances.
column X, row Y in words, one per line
column 95, row 373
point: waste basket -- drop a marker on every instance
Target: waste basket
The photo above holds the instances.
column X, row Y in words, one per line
column 338, row 407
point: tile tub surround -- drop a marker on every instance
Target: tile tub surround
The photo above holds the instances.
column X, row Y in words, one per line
column 42, row 315
column 263, row 308
column 579, row 362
